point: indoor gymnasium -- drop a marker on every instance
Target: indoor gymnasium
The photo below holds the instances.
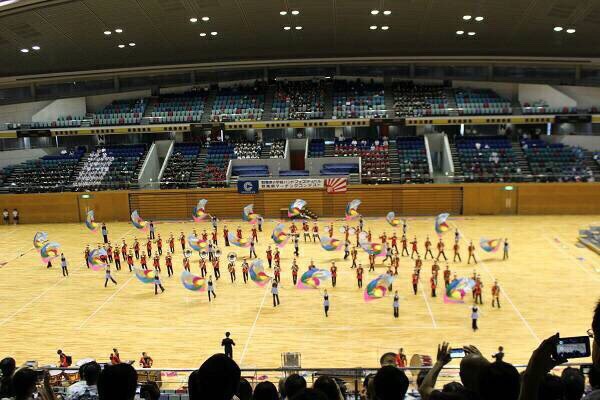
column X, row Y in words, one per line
column 299, row 200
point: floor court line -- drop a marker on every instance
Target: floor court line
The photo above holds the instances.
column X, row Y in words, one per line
column 504, row 293
column 427, row 304
column 253, row 328
column 30, row 302
column 572, row 258
column 112, row 296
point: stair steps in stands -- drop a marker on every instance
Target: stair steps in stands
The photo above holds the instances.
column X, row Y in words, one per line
column 269, row 95
column 329, row 150
column 592, row 164
column 265, row 151
column 388, row 98
column 522, row 161
column 451, row 102
column 458, row 172
column 394, row 161
column 208, row 106
column 135, row 183
column 328, row 101
column 200, row 164
column 151, row 107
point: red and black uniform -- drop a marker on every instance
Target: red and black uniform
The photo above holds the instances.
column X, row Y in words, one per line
column 169, row 263
column 446, row 277
column 149, row 248
column 130, row 261
column 457, row 252
column 254, row 235
column 231, row 269
column 435, row 270
column 143, row 262
column 496, row 295
column 404, row 245
column 214, row 238
column 293, row 228
column 371, row 262
column 315, row 234
column 428, row 249
column 395, row 242
column 415, row 282
column 239, row 233
column 245, row 271
column 156, row 263
column 202, row 264
column 414, row 249
column 441, row 252
column 433, row 283
column 186, row 264
column 306, row 230
column 270, row 257
column 277, row 274
column 182, row 241
column 172, row 244
column 226, row 236
column 159, row 246
column 216, row 269
column 471, row 254
column 418, row 265
column 359, row 276
column 204, row 236
column 86, row 254
column 277, row 259
column 477, row 292
column 109, row 253
column 294, row 273
column 333, row 271
column 124, row 251
column 353, row 254
column 117, row 259
column 136, row 249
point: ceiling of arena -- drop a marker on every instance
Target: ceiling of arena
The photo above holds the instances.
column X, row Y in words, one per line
column 70, row 33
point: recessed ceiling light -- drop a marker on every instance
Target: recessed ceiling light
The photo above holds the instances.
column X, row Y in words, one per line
column 295, row 12
column 213, row 33
column 471, row 33
column 205, row 19
column 385, row 27
column 193, row 20
column 298, row 28
column 287, row 28
column 36, row 47
column 373, row 27
column 387, row 12
column 460, row 32
column 121, row 46
column 24, row 50
column 119, row 30
column 571, row 30
column 374, row 12
column 558, row 28
column 327, row 77
column 282, row 12
column 203, row 34
column 479, row 19
column 467, row 17
column 7, row 2
column 107, row 32
column 131, row 44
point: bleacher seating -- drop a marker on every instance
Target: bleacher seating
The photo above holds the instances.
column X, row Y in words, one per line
column 375, row 159
column 542, row 107
column 46, row 174
column 185, row 107
column 61, row 122
column 555, row 162
column 412, row 159
column 316, row 148
column 239, row 103
column 480, row 102
column 277, row 149
column 339, row 169
column 111, row 167
column 358, row 99
column 121, row 112
column 178, row 172
column 296, row 100
column 245, row 149
column 411, row 100
column 217, row 161
column 250, row 170
column 487, row 159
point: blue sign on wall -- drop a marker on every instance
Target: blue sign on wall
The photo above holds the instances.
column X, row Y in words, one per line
column 247, row 187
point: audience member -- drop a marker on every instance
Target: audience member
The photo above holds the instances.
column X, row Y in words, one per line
column 551, row 388
column 7, row 369
column 387, row 359
column 542, row 361
column 87, row 387
column 594, row 379
column 117, row 382
column 218, row 378
column 294, row 384
column 329, row 387
column 573, row 383
column 150, row 391
column 25, row 384
column 265, row 391
column 499, row 381
column 309, row 394
column 390, row 383
column 244, row 390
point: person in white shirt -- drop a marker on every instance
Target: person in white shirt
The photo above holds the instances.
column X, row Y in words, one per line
column 86, row 388
column 15, row 215
column 5, row 217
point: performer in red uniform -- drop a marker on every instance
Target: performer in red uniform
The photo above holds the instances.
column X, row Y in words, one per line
column 415, row 281
column 124, row 250
column 418, row 265
column 117, row 259
column 231, row 269
column 333, row 271
column 330, row 229
column 109, row 253
column 447, row 276
column 471, row 250
column 383, row 238
column 130, row 261
column 315, row 234
column 159, row 245
column 269, row 256
column 254, row 235
column 204, row 236
column 353, row 254
column 294, row 271
column 239, row 233
column 216, row 270
column 86, row 255
column 293, row 228
column 156, row 263
column 456, row 252
column 226, row 235
column 136, row 249
column 143, row 262
column 305, row 230
column 202, row 264
column 396, row 262
column 169, row 263
column 440, row 249
column 277, row 274
column 433, row 283
column 359, row 275
column 171, row 243
column 277, row 258
column 245, row 270
column 395, row 242
column 371, row 262
column 149, row 248
column 415, row 249
column 182, row 241
column 428, row 248
column 186, row 264
column 496, row 294
column 214, row 238
column 435, row 268
column 477, row 290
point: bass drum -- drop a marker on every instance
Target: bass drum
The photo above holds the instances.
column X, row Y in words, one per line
column 419, row 361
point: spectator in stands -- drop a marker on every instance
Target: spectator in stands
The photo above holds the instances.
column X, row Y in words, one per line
column 387, row 359
column 244, row 390
column 7, row 369
column 390, row 383
column 117, row 382
column 499, row 381
column 309, row 394
column 218, row 378
column 5, row 217
column 265, row 391
column 87, row 387
column 573, row 382
column 594, row 379
column 150, row 391
column 329, row 387
column 542, row 361
column 294, row 384
column 15, row 215
column 25, row 382
column 596, row 336
column 551, row 388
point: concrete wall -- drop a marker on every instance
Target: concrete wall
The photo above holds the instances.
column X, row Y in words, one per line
column 18, row 156
column 585, row 97
column 20, row 112
column 275, row 164
column 553, row 97
column 507, row 90
column 75, row 107
column 97, row 103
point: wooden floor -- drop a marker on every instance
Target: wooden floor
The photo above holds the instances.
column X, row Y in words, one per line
column 549, row 285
